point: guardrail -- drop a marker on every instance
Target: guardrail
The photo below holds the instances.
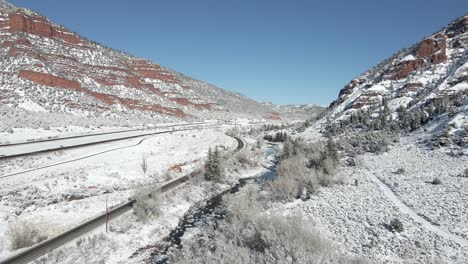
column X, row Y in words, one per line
column 93, row 134
column 87, row 143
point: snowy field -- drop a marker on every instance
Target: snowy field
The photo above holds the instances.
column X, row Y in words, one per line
column 357, row 213
column 444, row 204
column 66, row 194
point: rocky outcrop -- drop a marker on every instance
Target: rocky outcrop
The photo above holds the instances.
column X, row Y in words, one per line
column 430, row 51
column 410, row 89
column 417, row 73
column 457, row 28
column 272, row 116
column 426, row 48
column 49, row 80
column 187, row 102
column 37, row 25
column 405, row 69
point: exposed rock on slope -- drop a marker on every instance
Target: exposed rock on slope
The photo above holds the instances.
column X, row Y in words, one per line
column 436, row 68
column 45, row 63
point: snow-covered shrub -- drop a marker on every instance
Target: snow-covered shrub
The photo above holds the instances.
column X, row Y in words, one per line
column 396, row 225
column 450, row 138
column 256, row 237
column 351, row 162
column 323, row 159
column 464, row 174
column 94, row 249
column 144, row 163
column 359, row 143
column 436, row 181
column 294, row 179
column 240, row 209
column 22, row 234
column 304, row 169
column 10, row 130
column 123, row 225
column 147, row 203
column 284, row 189
column 245, row 158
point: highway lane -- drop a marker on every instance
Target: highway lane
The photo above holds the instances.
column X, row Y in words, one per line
column 22, row 149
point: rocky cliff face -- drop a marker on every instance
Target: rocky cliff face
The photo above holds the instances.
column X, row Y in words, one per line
column 45, row 65
column 434, row 68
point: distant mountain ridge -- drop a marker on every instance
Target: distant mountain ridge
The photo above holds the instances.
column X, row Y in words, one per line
column 46, row 67
column 304, row 111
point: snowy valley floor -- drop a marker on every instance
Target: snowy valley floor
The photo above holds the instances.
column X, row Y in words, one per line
column 434, row 217
column 393, row 185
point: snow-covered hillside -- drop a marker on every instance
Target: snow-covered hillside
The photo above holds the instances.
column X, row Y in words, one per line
column 432, row 70
column 45, row 67
column 305, row 111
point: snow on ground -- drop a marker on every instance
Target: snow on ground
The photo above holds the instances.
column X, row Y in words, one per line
column 358, row 212
column 395, row 103
column 378, row 88
column 65, row 195
column 31, row 106
column 409, row 57
column 445, row 204
column 127, row 235
column 356, row 217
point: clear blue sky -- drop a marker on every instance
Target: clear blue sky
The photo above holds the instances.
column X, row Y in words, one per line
column 281, row 51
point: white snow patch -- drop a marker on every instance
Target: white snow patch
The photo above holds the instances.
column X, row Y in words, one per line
column 409, row 57
column 31, row 106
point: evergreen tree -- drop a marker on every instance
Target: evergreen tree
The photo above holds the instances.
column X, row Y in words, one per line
column 430, row 110
column 286, row 150
column 385, row 114
column 415, row 120
column 386, row 110
column 218, row 166
column 365, row 119
column 353, row 119
column 213, row 166
column 209, row 165
column 331, row 149
column 403, row 117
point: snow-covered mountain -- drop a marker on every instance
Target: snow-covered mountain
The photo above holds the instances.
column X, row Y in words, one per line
column 303, row 111
column 430, row 71
column 46, row 67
